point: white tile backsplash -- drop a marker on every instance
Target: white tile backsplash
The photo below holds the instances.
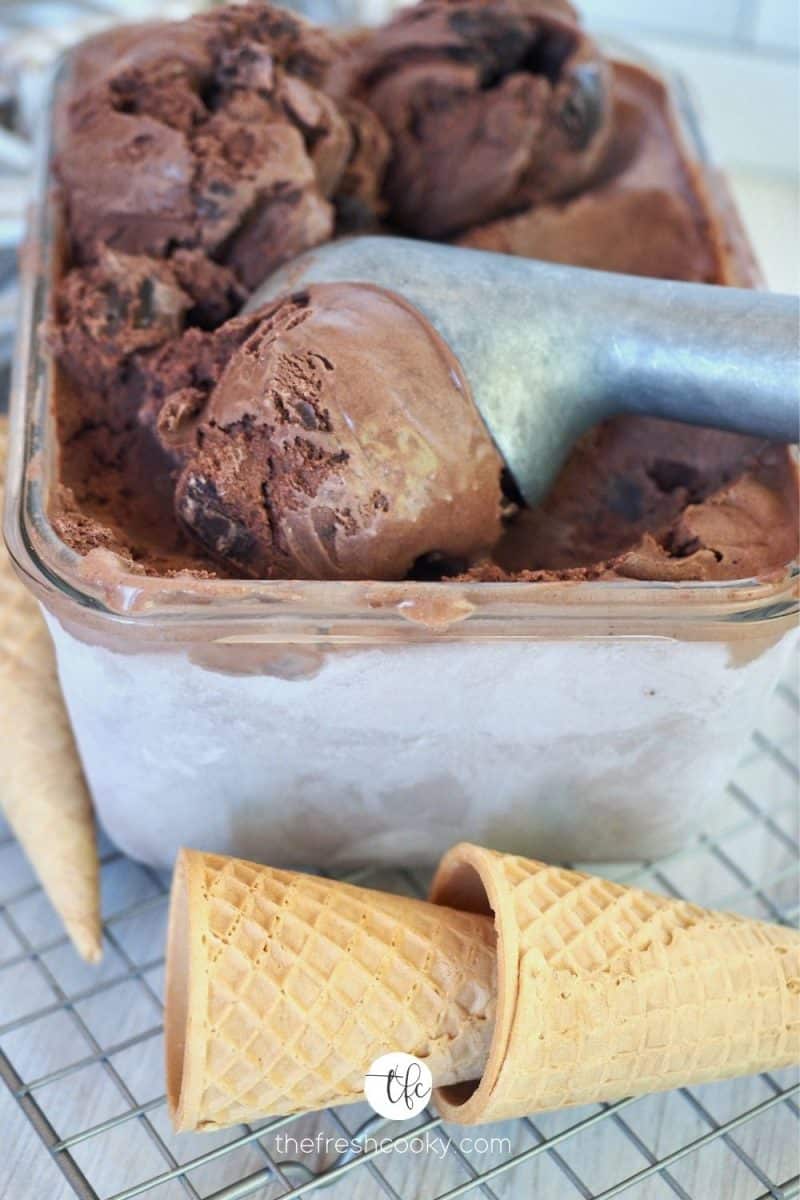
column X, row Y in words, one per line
column 748, row 103
column 716, row 19
column 778, row 25
column 764, row 26
column 740, row 58
column 769, row 209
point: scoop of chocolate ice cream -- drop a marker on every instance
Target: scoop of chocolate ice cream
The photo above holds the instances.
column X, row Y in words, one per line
column 645, row 213
column 113, row 315
column 359, row 202
column 215, row 133
column 340, row 442
column 106, row 313
column 490, row 108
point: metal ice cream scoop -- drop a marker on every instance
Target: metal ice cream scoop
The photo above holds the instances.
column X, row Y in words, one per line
column 551, row 350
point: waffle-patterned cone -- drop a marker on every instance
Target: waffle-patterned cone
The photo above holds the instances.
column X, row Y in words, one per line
column 606, row 991
column 42, row 789
column 283, row 988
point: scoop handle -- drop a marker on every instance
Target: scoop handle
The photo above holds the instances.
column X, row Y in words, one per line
column 728, row 358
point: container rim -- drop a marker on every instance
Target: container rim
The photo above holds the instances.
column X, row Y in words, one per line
column 103, row 588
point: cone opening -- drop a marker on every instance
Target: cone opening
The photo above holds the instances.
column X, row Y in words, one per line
column 176, row 1016
column 464, row 890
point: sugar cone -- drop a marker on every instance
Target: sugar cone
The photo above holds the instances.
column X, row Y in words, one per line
column 606, row 991
column 42, row 789
column 283, row 988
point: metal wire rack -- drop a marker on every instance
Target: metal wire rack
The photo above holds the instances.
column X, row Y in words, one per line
column 80, row 1050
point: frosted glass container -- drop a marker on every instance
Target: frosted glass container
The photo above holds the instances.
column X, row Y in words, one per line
column 346, row 723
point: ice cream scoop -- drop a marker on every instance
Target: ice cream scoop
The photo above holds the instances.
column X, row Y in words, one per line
column 549, row 350
column 332, row 443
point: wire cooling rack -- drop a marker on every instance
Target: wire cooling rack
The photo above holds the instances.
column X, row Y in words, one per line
column 81, row 1050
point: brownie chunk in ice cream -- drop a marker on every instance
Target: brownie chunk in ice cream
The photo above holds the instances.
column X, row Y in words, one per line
column 340, row 441
column 113, row 310
column 490, row 108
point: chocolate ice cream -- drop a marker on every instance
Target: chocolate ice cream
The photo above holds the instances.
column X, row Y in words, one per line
column 334, row 445
column 649, row 499
column 216, row 134
column 490, row 109
column 107, row 313
column 645, row 213
column 332, row 436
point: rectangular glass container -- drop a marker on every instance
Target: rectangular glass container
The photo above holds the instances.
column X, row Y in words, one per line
column 346, row 723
